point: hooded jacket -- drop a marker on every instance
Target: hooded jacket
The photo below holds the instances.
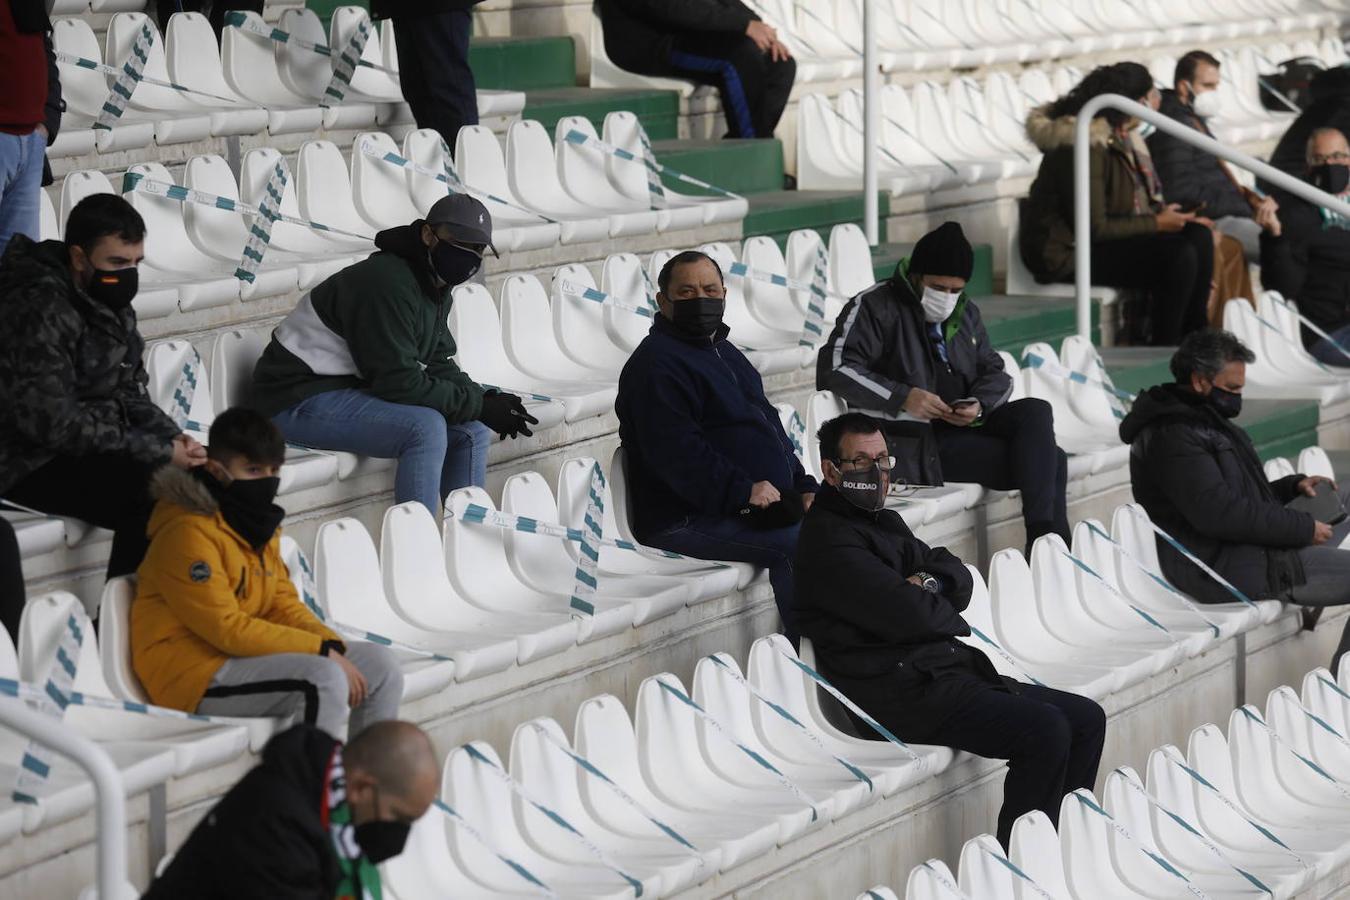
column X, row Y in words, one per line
column 1328, row 107
column 378, row 325
column 266, row 837
column 1308, row 263
column 1045, row 232
column 890, row 645
column 698, row 430
column 880, row 349
column 1199, row 478
column 640, row 34
column 72, row 379
column 204, row 595
column 1189, row 175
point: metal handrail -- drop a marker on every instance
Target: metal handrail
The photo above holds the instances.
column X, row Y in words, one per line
column 1082, row 213
column 109, row 794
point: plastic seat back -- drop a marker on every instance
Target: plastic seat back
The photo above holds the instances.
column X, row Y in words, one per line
column 1090, row 402
column 582, row 169
column 820, row 408
column 629, row 179
column 192, row 54
column 42, row 627
column 1314, row 461
column 380, row 189
column 304, row 73
column 800, row 259
column 771, row 305
column 254, row 173
column 475, row 557
column 480, row 162
column 424, row 147
column 123, row 30
column 49, row 229
column 538, row 560
column 216, row 232
column 78, row 185
column 979, row 872
column 232, row 361
column 251, row 67
column 114, row 624
column 1034, row 848
column 477, row 330
column 579, row 324
column 1278, row 467
column 179, row 384
column 84, row 91
column 481, row 797
column 366, row 81
column 929, row 881
column 547, row 773
column 850, row 260
column 878, row 892
column 324, row 189
column 167, row 245
column 347, row 576
column 624, row 277
column 619, row 499
column 1014, row 370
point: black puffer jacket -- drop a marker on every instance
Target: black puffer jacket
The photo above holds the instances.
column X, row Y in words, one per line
column 1308, row 263
column 266, row 837
column 72, row 382
column 1189, row 175
column 880, row 349
column 1199, row 478
column 883, row 640
column 639, row 34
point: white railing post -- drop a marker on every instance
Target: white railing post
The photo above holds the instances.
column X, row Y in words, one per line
column 871, row 131
column 108, row 791
column 1082, row 224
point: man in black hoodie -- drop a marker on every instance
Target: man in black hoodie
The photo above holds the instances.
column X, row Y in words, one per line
column 711, row 472
column 883, row 612
column 1199, row 478
column 311, row 821
column 717, row 42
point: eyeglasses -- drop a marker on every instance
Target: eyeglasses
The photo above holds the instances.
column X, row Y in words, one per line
column 476, row 249
column 859, row 463
column 1338, row 157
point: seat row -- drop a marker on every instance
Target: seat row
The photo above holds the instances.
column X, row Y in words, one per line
column 965, row 132
column 194, row 248
column 247, row 85
column 1261, row 811
column 1283, row 368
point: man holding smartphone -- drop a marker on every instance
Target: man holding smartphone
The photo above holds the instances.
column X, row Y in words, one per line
column 913, row 351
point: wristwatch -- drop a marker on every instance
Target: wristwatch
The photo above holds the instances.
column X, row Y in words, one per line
column 928, row 582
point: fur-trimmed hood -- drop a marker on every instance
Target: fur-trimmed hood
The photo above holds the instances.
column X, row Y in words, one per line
column 1051, row 133
column 181, row 489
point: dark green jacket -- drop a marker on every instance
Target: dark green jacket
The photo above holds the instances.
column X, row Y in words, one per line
column 379, row 326
column 1045, row 233
column 72, row 380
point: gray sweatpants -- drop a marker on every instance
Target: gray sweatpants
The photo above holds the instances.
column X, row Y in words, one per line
column 310, row 687
column 1326, row 570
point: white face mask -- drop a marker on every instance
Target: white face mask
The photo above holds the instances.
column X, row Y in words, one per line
column 1206, row 105
column 938, row 305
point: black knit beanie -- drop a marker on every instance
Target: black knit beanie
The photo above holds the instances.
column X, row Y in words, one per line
column 943, row 251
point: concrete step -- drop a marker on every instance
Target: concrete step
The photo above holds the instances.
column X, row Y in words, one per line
column 659, row 111
column 1015, row 321
column 743, row 166
column 776, row 213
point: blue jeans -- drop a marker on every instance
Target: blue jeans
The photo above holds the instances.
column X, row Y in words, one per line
column 1325, row 351
column 21, row 157
column 723, row 537
column 434, row 457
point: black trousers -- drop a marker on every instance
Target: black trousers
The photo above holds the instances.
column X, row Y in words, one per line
column 1014, row 449
column 433, row 61
column 1175, row 269
column 12, row 596
column 754, row 88
column 1051, row 739
column 106, row 490
column 215, row 11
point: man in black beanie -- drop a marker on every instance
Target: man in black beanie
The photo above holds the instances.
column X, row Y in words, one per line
column 914, row 352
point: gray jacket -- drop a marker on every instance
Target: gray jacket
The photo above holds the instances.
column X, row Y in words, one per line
column 880, row 349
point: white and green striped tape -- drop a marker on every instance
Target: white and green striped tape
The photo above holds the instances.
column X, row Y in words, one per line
column 580, row 138
column 1089, row 802
column 52, row 699
column 344, row 66
column 591, row 769
column 1057, row 369
column 759, row 760
column 656, row 191
column 1199, row 563
column 553, row 816
column 260, row 229
column 257, row 28
column 1156, row 577
column 1332, row 781
column 126, row 79
column 788, row 717
column 80, row 62
column 813, row 328
column 185, row 390
column 572, row 289
column 468, row 828
column 586, row 582
column 1115, row 592
column 1190, row 829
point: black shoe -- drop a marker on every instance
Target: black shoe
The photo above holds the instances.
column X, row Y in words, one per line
column 1310, row 615
column 789, row 182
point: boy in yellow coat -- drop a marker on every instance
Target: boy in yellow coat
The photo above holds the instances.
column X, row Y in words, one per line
column 217, row 626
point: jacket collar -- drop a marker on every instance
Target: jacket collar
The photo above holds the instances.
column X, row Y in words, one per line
column 1049, row 133
column 662, row 325
column 829, row 499
column 904, row 289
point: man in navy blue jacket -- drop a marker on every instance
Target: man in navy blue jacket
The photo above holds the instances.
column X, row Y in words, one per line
column 712, row 474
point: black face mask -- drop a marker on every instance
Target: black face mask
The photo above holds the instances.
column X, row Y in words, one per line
column 1331, row 178
column 698, row 316
column 247, row 507
column 1227, row 403
column 453, row 265
column 114, row 288
column 865, row 489
column 382, row 840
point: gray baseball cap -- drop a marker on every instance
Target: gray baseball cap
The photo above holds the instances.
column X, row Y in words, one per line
column 468, row 220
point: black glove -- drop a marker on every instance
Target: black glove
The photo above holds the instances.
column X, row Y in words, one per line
column 785, row 511
column 506, row 415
